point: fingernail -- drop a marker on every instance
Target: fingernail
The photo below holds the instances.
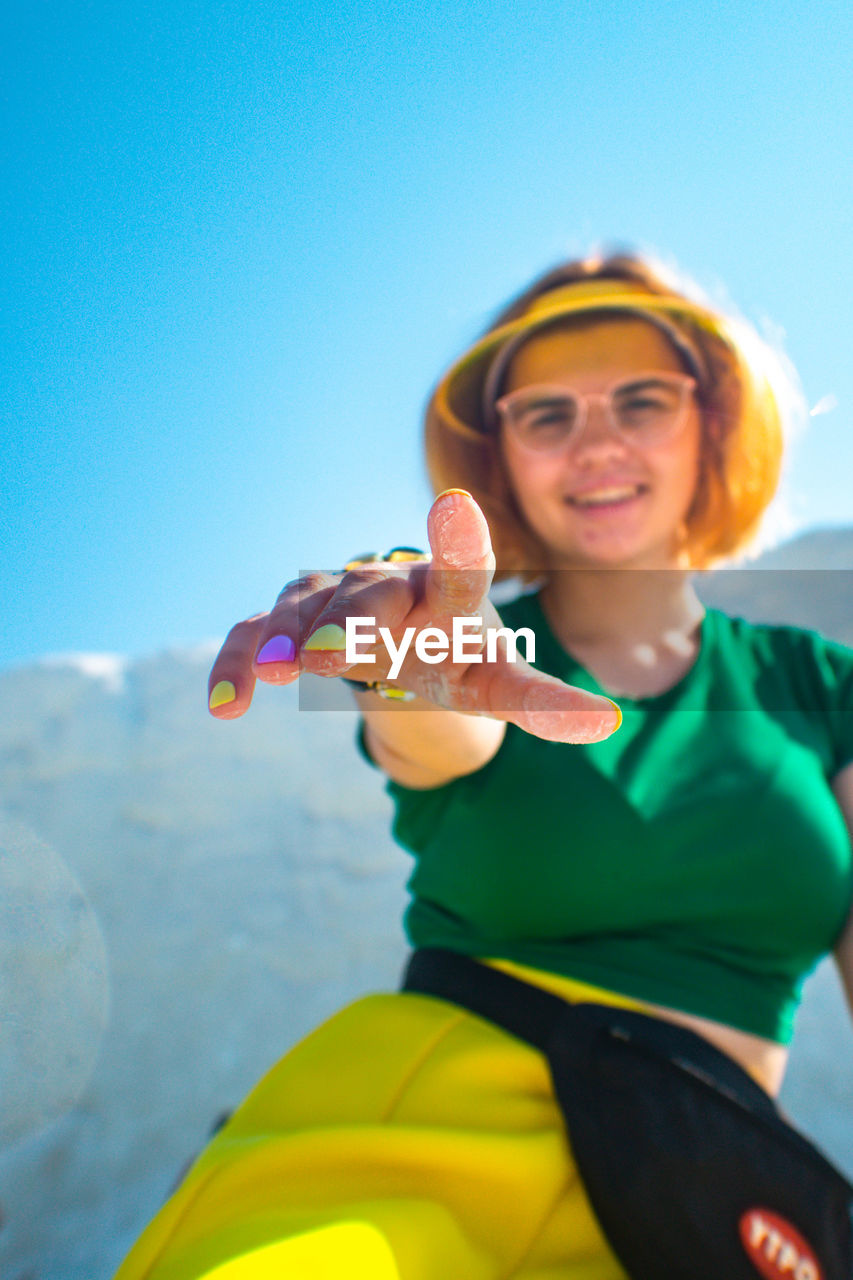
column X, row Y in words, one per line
column 331, row 637
column 221, row 693
column 447, row 492
column 277, row 649
column 618, row 710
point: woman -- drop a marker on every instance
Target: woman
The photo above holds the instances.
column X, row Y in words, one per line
column 610, row 436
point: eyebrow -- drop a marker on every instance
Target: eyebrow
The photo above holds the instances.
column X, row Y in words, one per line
column 637, row 383
column 550, row 397
column 554, row 395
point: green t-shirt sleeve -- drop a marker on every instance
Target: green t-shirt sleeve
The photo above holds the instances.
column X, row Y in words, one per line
column 835, row 665
column 823, row 671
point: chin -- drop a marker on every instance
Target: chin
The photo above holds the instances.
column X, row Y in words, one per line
column 615, row 554
column 616, row 545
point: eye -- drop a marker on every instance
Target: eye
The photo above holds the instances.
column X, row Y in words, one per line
column 547, row 415
column 646, row 402
column 540, row 417
column 639, row 402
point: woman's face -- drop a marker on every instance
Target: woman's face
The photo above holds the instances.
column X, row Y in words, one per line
column 603, row 500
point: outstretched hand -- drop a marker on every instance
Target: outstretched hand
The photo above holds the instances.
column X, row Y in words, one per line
column 306, row 631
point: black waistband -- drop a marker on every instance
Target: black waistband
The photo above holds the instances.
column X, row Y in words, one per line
column 691, row 1170
column 534, row 1015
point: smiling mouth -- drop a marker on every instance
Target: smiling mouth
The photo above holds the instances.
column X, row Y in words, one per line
column 611, row 496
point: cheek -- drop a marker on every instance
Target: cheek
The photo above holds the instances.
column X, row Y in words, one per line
column 682, row 469
column 527, row 475
column 509, row 461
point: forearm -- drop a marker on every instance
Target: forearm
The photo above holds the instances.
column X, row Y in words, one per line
column 420, row 745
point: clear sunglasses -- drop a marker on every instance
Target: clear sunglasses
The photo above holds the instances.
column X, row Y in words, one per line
column 645, row 409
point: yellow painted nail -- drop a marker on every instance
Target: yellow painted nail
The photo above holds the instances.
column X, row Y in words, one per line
column 445, row 492
column 330, row 637
column 221, row 693
column 618, row 712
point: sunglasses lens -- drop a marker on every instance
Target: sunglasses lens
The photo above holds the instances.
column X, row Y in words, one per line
column 543, row 420
column 649, row 410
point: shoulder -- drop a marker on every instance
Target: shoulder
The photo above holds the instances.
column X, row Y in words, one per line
column 781, row 642
column 793, row 670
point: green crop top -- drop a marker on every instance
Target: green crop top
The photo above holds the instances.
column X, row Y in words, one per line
column 696, row 859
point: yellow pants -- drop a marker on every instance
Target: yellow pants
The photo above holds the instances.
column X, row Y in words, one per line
column 404, row 1139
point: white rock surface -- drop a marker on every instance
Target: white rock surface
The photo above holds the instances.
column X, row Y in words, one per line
column 53, row 985
column 244, row 883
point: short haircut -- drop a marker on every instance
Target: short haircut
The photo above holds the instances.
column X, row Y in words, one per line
column 744, row 395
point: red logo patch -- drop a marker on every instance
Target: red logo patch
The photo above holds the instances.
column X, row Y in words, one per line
column 776, row 1248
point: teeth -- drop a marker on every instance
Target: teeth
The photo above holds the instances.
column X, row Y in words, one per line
column 601, row 496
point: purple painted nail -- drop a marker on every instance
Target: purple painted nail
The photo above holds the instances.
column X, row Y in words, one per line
column 277, row 649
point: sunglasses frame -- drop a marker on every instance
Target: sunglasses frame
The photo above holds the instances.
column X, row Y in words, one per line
column 683, row 381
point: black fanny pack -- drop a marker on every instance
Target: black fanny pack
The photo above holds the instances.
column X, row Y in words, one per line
column 689, row 1167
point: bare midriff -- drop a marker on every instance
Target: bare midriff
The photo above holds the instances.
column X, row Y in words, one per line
column 765, row 1060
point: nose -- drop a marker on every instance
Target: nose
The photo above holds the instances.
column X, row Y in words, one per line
column 596, row 433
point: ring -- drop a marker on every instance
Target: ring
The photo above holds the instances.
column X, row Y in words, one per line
column 391, row 691
column 383, row 688
column 397, row 555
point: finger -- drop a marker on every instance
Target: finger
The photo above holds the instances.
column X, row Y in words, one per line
column 368, row 598
column 292, row 617
column 463, row 563
column 539, row 704
column 232, row 679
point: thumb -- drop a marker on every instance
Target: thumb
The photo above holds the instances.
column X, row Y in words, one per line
column 463, row 563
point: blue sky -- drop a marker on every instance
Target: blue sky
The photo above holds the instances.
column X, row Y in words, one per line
column 241, row 241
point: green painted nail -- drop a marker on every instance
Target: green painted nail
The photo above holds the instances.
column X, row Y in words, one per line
column 331, row 637
column 221, row 693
